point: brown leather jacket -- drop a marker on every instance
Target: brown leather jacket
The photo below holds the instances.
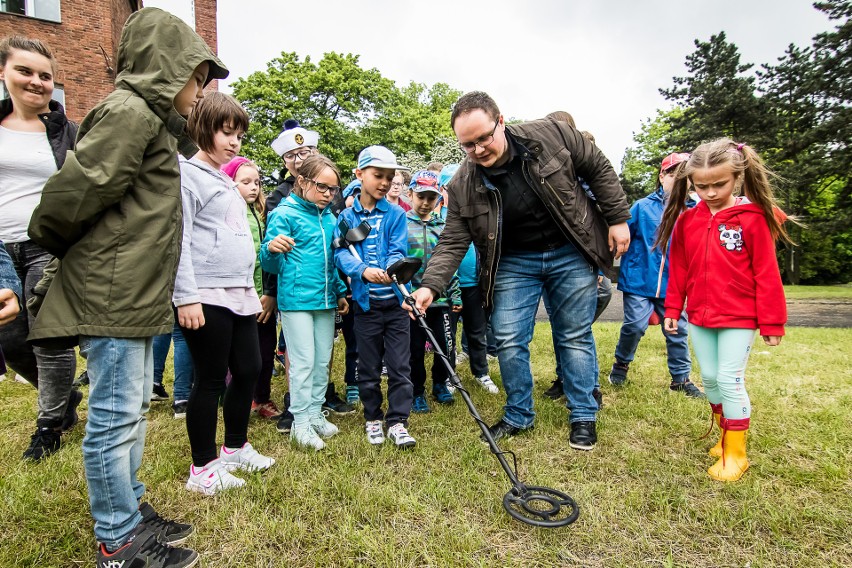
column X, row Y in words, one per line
column 560, row 154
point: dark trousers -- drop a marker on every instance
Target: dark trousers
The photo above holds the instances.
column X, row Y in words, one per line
column 384, row 330
column 51, row 371
column 474, row 323
column 351, row 376
column 438, row 320
column 225, row 341
column 267, row 338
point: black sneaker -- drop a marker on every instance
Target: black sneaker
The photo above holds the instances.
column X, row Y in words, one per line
column 179, row 407
column 71, row 418
column 501, row 430
column 688, row 388
column 583, row 436
column 285, row 422
column 618, row 374
column 44, row 442
column 555, row 391
column 333, row 402
column 81, row 380
column 159, row 392
column 167, row 531
column 598, row 396
column 144, row 550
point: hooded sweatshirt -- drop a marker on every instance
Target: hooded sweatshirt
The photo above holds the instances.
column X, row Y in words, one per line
column 113, row 212
column 723, row 267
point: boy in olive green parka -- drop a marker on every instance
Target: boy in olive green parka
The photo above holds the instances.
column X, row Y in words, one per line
column 113, row 217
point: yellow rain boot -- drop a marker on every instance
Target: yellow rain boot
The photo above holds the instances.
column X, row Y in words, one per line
column 733, row 463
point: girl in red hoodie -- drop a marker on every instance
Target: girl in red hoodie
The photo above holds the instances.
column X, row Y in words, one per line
column 722, row 260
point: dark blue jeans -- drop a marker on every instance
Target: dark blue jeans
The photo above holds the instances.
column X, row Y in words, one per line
column 384, row 330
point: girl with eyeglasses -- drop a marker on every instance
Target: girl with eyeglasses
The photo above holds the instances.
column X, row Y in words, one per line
column 297, row 248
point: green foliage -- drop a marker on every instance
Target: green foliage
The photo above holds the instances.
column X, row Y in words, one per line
column 641, row 164
column 349, row 106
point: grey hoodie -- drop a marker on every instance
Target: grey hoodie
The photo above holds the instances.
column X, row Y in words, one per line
column 218, row 249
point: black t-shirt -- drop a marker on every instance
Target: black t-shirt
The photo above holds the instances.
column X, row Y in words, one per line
column 527, row 224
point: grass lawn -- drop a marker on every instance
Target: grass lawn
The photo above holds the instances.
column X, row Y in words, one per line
column 644, row 494
column 838, row 292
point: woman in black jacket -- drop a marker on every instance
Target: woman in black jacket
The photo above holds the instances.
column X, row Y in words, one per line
column 34, row 138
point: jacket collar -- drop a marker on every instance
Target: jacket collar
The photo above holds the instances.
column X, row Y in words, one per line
column 434, row 220
column 382, row 205
column 55, row 114
column 301, row 203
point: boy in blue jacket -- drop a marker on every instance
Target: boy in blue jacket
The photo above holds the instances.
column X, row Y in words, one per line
column 642, row 280
column 381, row 324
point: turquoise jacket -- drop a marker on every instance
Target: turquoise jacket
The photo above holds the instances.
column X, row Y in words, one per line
column 307, row 278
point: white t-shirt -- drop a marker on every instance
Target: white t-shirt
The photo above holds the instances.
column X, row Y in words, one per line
column 26, row 162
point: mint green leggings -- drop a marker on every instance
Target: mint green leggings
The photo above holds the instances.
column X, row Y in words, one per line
column 722, row 356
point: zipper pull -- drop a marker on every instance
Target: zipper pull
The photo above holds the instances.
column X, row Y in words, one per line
column 542, row 181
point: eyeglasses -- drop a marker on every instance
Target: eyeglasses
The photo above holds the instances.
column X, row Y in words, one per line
column 324, row 187
column 300, row 154
column 395, row 184
column 483, row 142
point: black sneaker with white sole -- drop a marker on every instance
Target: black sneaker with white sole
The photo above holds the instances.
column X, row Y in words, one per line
column 555, row 391
column 159, row 392
column 583, row 435
column 333, row 402
column 143, row 550
column 688, row 388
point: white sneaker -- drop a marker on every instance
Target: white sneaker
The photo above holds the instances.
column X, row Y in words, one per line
column 322, row 426
column 245, row 458
column 375, row 433
column 461, row 357
column 305, row 435
column 486, row 383
column 451, row 387
column 212, row 478
column 400, row 436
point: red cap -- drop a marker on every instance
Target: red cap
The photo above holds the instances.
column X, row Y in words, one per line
column 672, row 160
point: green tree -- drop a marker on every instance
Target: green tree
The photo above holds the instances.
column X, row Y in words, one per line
column 717, row 97
column 641, row 162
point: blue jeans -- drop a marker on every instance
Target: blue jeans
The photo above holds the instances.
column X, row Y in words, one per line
column 184, row 370
column 121, row 376
column 637, row 310
column 161, row 352
column 570, row 283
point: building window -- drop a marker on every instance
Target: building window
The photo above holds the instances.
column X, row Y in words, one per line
column 58, row 93
column 41, row 9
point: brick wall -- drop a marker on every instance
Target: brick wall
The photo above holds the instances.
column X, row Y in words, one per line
column 90, row 29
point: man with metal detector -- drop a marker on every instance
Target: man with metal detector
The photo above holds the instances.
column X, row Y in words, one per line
column 516, row 196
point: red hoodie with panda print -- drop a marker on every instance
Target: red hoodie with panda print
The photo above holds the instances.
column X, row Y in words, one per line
column 725, row 266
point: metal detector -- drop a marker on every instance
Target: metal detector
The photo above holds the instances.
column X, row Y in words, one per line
column 533, row 505
column 349, row 237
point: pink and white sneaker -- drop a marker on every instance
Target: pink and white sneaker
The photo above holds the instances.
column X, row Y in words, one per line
column 212, row 478
column 245, row 458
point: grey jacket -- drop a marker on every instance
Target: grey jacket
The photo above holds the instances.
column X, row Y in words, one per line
column 218, row 249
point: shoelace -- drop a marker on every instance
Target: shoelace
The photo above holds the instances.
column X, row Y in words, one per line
column 153, row 548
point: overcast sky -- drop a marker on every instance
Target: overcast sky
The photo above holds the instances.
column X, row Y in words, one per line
column 602, row 61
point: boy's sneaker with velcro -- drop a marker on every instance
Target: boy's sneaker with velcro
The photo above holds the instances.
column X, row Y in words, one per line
column 486, row 383
column 618, row 374
column 353, row 396
column 212, row 478
column 143, row 550
column 442, row 394
column 399, row 435
column 167, row 531
column 419, row 405
column 375, row 432
column 245, row 458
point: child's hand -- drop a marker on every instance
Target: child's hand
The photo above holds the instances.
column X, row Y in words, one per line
column 191, row 316
column 670, row 326
column 376, row 276
column 772, row 340
column 9, row 306
column 342, row 306
column 281, row 243
column 268, row 305
column 457, row 309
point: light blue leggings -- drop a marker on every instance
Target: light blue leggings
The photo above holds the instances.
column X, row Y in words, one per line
column 310, row 339
column 722, row 356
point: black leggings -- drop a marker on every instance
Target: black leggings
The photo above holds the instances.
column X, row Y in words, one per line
column 225, row 341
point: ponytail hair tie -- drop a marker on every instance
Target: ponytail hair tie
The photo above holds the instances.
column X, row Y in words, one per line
column 740, row 146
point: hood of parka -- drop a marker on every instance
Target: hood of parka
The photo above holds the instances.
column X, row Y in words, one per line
column 156, row 57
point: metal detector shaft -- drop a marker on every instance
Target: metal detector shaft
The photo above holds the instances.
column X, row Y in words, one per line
column 495, row 449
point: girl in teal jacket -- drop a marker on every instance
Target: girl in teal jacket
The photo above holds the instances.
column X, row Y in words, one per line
column 297, row 248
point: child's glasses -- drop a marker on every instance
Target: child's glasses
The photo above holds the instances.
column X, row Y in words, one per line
column 324, row 187
column 301, row 154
